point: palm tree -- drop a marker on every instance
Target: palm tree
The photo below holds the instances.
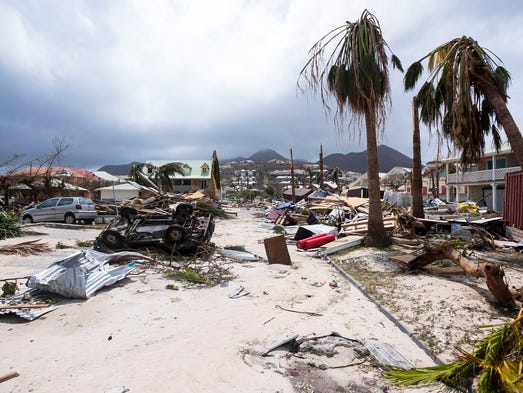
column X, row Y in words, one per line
column 495, row 364
column 161, row 177
column 465, row 97
column 417, row 180
column 356, row 75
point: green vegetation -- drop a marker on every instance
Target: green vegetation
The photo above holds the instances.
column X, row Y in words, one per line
column 9, row 225
column 188, row 275
column 495, row 364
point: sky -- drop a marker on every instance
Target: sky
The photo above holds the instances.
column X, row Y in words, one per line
column 136, row 80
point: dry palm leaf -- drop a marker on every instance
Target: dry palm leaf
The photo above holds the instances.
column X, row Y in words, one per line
column 26, row 248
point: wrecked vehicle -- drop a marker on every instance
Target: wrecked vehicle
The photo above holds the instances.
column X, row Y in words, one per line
column 182, row 232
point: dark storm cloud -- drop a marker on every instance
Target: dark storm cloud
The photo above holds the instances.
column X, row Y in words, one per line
column 132, row 80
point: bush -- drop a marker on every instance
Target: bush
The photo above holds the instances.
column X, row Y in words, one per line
column 9, row 225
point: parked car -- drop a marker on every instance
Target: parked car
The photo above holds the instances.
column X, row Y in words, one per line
column 61, row 209
column 183, row 231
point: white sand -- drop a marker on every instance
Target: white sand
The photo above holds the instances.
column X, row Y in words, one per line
column 139, row 335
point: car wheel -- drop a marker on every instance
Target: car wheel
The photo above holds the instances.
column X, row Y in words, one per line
column 28, row 219
column 184, row 209
column 89, row 221
column 70, row 218
column 174, row 234
column 128, row 213
column 113, row 239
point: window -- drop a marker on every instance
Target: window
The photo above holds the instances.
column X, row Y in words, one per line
column 49, row 203
column 205, row 170
column 500, row 163
column 65, row 201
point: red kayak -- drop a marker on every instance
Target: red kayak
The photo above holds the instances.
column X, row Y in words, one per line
column 315, row 241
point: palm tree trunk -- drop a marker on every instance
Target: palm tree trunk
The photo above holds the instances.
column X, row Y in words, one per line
column 417, row 183
column 376, row 235
column 507, row 121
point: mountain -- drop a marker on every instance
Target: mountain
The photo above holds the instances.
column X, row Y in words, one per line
column 267, row 155
column 388, row 158
column 117, row 170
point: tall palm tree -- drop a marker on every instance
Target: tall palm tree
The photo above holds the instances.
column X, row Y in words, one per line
column 356, row 75
column 465, row 97
column 417, row 180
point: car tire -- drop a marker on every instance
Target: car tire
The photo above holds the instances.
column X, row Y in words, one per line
column 69, row 218
column 128, row 213
column 184, row 209
column 28, row 219
column 113, row 239
column 175, row 234
column 89, row 221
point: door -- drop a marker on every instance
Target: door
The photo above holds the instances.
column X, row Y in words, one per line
column 64, row 205
column 45, row 210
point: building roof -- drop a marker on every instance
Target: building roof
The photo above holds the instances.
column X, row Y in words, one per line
column 106, row 176
column 123, row 186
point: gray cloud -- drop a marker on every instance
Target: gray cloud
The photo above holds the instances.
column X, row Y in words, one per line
column 130, row 80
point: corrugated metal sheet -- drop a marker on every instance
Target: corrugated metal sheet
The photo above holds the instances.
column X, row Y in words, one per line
column 26, row 313
column 513, row 211
column 82, row 274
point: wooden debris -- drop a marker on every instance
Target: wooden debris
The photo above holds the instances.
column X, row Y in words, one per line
column 8, row 376
column 14, row 306
column 26, row 248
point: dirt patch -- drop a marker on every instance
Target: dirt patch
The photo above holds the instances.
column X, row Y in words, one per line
column 444, row 307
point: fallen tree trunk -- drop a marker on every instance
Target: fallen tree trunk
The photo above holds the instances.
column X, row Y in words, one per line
column 493, row 273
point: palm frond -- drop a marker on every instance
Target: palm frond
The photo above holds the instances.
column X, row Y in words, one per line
column 412, row 75
column 396, row 62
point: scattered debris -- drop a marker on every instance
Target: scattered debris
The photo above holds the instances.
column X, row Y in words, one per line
column 276, row 249
column 81, row 274
column 8, row 376
column 239, row 293
column 182, row 232
column 29, row 247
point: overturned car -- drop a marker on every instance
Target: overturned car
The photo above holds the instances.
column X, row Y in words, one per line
column 184, row 231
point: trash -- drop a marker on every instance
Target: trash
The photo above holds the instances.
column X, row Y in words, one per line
column 291, row 343
column 18, row 305
column 83, row 273
column 26, row 248
column 277, row 251
column 315, row 241
column 182, row 231
column 306, row 231
column 8, row 376
column 239, row 293
column 174, row 287
column 239, row 255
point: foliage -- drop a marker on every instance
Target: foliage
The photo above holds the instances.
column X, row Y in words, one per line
column 9, row 288
column 356, row 73
column 188, row 275
column 9, row 225
column 454, row 98
column 356, row 76
column 161, row 177
column 496, row 364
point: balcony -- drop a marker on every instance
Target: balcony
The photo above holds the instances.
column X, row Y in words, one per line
column 488, row 176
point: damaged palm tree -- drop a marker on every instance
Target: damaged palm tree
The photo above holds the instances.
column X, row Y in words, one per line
column 494, row 365
column 493, row 273
column 356, row 76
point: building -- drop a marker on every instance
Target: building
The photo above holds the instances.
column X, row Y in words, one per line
column 196, row 173
column 120, row 192
column 484, row 181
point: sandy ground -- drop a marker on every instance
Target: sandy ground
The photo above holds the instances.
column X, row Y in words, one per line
column 138, row 336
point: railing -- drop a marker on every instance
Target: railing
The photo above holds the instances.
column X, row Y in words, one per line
column 480, row 176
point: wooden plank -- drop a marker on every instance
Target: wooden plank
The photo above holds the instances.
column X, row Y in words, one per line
column 387, row 355
column 277, row 251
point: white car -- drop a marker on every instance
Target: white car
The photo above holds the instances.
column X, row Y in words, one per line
column 65, row 209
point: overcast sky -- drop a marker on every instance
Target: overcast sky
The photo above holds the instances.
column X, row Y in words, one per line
column 126, row 81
